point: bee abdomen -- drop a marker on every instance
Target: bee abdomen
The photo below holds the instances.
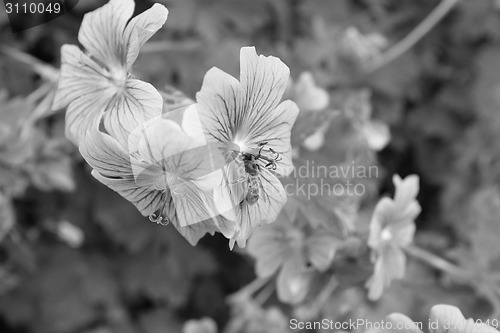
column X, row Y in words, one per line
column 253, row 190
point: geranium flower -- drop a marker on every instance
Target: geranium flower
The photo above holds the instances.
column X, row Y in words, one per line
column 359, row 110
column 362, row 49
column 307, row 94
column 391, row 230
column 311, row 99
column 97, row 83
column 297, row 249
column 252, row 128
column 442, row 319
column 166, row 174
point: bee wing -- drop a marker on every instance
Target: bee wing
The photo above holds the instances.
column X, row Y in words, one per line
column 261, row 190
column 273, row 197
column 232, row 190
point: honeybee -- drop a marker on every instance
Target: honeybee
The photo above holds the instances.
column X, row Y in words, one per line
column 252, row 170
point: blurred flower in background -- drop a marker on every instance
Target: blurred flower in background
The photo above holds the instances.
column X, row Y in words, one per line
column 361, row 49
column 358, row 110
column 310, row 99
column 392, row 228
column 203, row 325
column 297, row 250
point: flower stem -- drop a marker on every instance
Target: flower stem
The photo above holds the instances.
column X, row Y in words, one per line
column 264, row 294
column 251, row 288
column 483, row 284
column 414, row 36
column 437, row 262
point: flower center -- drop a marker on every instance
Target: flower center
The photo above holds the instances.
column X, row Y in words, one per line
column 296, row 238
column 386, row 235
column 118, row 77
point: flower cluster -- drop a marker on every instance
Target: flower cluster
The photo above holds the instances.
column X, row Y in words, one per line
column 215, row 169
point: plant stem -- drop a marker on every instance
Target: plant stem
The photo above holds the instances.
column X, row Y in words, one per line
column 264, row 294
column 439, row 263
column 414, row 36
column 251, row 288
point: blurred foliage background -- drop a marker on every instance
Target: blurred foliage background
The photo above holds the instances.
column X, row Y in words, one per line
column 76, row 257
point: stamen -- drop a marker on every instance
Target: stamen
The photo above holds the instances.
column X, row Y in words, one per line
column 271, row 165
column 158, row 219
column 157, row 216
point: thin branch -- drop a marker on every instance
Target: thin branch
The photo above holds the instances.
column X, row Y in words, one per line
column 414, row 36
column 439, row 263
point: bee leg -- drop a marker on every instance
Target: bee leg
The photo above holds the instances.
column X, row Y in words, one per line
column 242, row 178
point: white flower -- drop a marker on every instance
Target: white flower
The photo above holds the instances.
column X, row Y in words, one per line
column 391, row 230
column 95, row 85
column 168, row 175
column 246, row 119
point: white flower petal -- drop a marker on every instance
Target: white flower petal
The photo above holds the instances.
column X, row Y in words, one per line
column 403, row 233
column 157, row 139
column 101, row 32
column 140, row 29
column 80, row 76
column 314, row 141
column 219, row 106
column 191, row 204
column 390, row 265
column 321, row 247
column 113, row 167
column 138, row 102
column 377, row 134
column 447, row 317
column 263, row 80
column 84, row 114
column 275, row 127
column 270, row 249
column 308, row 96
column 293, row 281
column 406, row 189
column 381, row 218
